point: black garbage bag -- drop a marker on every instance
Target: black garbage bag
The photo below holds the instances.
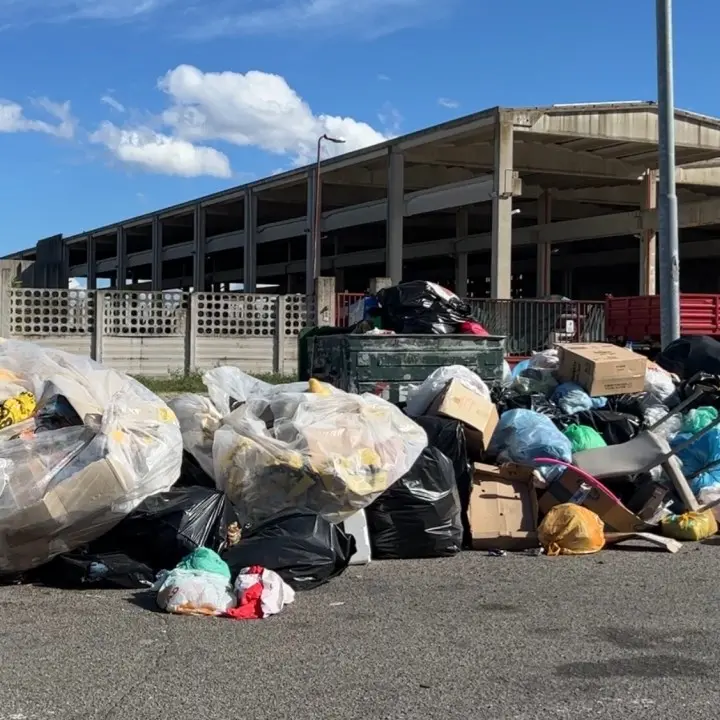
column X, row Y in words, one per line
column 422, row 307
column 506, row 399
column 615, row 427
column 688, row 356
column 192, row 475
column 419, row 516
column 82, row 569
column 709, row 385
column 159, row 533
column 636, row 404
column 448, row 436
column 301, row 546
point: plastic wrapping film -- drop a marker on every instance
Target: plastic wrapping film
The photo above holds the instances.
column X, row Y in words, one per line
column 64, row 484
column 284, row 447
column 422, row 397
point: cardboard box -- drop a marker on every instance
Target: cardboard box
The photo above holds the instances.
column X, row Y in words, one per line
column 602, row 369
column 503, row 511
column 570, row 488
column 476, row 412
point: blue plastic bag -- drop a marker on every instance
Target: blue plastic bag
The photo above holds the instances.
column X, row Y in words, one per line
column 523, row 435
column 703, row 452
column 522, row 365
column 571, row 399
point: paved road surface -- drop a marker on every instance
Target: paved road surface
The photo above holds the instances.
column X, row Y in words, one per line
column 623, row 634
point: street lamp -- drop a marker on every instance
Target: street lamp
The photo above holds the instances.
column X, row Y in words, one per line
column 667, row 197
column 318, row 205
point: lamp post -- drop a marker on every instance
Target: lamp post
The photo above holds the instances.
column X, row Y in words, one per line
column 667, row 197
column 318, row 205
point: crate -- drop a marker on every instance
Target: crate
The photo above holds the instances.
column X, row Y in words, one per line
column 388, row 365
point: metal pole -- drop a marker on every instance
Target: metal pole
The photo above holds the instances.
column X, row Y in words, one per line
column 316, row 244
column 667, row 197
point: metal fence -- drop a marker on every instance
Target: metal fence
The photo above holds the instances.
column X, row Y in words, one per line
column 534, row 325
column 343, row 302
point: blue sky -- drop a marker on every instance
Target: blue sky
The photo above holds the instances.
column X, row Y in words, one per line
column 111, row 108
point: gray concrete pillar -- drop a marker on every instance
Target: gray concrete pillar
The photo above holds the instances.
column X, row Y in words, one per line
column 379, row 283
column 309, row 239
column 648, row 239
column 250, row 252
column 91, row 263
column 544, row 250
column 199, row 248
column 157, row 265
column 461, row 258
column 501, row 250
column 121, row 251
column 325, row 301
column 395, row 216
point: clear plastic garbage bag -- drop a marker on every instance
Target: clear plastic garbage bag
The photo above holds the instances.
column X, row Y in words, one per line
column 421, row 398
column 96, row 444
column 284, row 447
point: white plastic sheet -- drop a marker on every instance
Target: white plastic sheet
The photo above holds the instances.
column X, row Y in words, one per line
column 282, row 447
column 421, row 398
column 60, row 488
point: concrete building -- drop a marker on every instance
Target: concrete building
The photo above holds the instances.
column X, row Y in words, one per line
column 507, row 202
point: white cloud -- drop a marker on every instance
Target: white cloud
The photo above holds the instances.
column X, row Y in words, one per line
column 13, row 118
column 391, row 119
column 113, row 103
column 448, row 103
column 24, row 12
column 155, row 152
column 382, row 77
column 254, row 109
column 365, row 17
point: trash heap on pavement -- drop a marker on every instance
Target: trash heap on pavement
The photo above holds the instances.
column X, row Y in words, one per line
column 228, row 503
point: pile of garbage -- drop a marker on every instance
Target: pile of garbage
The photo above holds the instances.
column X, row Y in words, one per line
column 228, row 503
column 417, row 307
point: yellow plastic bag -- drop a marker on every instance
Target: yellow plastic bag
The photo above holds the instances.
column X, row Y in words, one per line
column 571, row 529
column 690, row 526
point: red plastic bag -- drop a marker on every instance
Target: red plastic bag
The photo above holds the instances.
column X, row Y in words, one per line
column 473, row 328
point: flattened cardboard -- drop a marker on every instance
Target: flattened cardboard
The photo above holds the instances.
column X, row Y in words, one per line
column 503, row 511
column 92, row 490
column 476, row 412
column 659, row 541
column 602, row 368
column 615, row 515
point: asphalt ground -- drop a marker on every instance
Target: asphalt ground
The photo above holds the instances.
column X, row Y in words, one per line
column 622, row 634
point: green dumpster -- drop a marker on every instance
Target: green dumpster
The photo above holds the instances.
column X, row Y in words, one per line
column 388, row 365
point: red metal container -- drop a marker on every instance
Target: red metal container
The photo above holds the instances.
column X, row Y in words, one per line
column 637, row 319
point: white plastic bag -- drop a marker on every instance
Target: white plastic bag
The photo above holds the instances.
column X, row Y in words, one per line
column 547, row 359
column 65, row 485
column 421, row 398
column 659, row 383
column 333, row 454
column 194, row 592
column 275, row 593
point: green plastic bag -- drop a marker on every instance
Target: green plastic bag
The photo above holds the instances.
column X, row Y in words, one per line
column 205, row 559
column 582, row 437
column 698, row 419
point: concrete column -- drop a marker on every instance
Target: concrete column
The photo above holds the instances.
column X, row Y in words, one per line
column 157, row 266
column 339, row 272
column 200, row 248
column 91, row 263
column 501, row 250
column 250, row 252
column 325, row 305
column 121, row 251
column 461, row 258
column 395, row 216
column 648, row 240
column 310, row 252
column 379, row 283
column 544, row 250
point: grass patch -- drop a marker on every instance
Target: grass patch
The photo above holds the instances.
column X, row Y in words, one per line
column 179, row 383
